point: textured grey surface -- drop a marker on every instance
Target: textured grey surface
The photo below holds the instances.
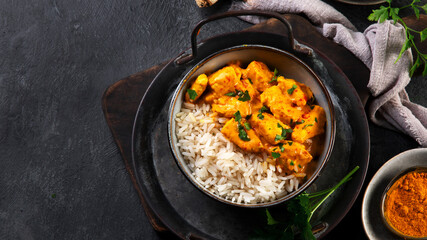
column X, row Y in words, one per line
column 61, row 175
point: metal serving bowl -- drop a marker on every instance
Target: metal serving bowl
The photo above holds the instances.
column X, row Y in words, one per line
column 287, row 64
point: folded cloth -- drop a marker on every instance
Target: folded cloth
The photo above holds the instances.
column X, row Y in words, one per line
column 377, row 47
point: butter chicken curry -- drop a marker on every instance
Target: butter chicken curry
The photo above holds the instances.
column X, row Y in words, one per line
column 267, row 113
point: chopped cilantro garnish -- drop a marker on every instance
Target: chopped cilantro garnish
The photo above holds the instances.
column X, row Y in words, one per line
column 243, row 96
column 290, row 143
column 292, row 163
column 275, row 75
column 237, row 116
column 315, row 119
column 299, row 165
column 260, row 116
column 282, row 149
column 192, row 94
column 248, row 117
column 291, row 90
column 242, row 133
column 247, row 125
column 308, row 125
column 275, row 155
column 284, row 134
column 311, row 107
column 250, row 81
column 263, row 109
column 299, row 122
column 231, row 94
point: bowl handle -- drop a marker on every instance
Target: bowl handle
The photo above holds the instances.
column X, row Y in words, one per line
column 296, row 47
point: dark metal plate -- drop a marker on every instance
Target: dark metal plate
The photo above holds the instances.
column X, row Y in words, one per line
column 188, row 212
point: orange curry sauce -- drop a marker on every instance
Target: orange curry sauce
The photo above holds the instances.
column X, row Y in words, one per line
column 268, row 113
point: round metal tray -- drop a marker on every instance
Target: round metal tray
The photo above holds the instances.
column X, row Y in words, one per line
column 189, row 213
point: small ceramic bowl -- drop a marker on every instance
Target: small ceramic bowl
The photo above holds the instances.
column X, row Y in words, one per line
column 288, row 65
column 390, row 187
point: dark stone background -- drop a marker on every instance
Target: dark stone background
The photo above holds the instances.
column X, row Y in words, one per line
column 61, row 175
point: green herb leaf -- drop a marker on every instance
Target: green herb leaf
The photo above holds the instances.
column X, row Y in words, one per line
column 248, row 117
column 379, row 14
column 247, row 125
column 290, row 143
column 270, row 219
column 425, row 69
column 292, row 163
column 300, row 207
column 394, row 14
column 242, row 133
column 237, row 116
column 275, row 75
column 291, row 90
column 282, row 149
column 384, row 12
column 299, row 165
column 260, row 116
column 231, row 94
column 414, row 67
column 275, row 155
column 263, row 109
column 243, row 96
column 405, row 46
column 250, row 81
column 299, row 211
column 192, row 94
column 285, row 133
column 297, row 122
column 315, row 119
column 423, row 34
column 416, row 11
column 308, row 125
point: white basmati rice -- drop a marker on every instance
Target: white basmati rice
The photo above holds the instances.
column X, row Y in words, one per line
column 222, row 167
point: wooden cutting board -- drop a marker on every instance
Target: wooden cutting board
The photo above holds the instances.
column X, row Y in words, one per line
column 121, row 100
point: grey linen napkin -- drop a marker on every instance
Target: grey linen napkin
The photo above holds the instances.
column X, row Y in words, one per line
column 378, row 48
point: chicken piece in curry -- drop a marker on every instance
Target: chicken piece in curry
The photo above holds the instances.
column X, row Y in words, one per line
column 267, row 113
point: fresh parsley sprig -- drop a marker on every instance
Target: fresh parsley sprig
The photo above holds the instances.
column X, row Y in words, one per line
column 384, row 12
column 299, row 211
